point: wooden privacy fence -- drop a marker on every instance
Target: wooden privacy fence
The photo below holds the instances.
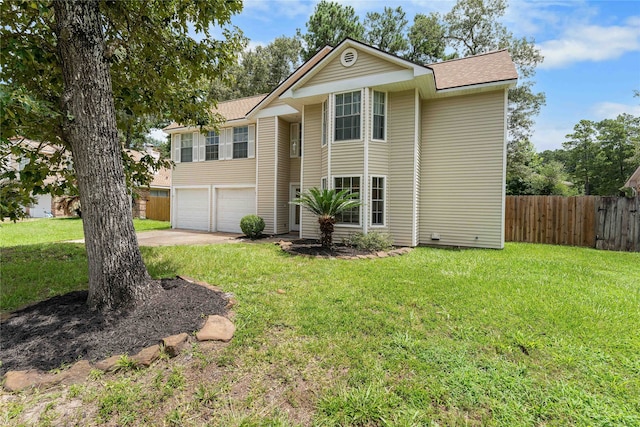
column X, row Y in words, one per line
column 158, row 208
column 611, row 223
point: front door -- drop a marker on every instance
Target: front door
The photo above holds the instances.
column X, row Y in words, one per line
column 294, row 210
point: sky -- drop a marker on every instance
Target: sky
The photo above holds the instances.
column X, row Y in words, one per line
column 591, row 50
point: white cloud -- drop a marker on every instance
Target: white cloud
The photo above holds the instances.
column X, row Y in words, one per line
column 611, row 110
column 158, row 134
column 549, row 137
column 591, row 43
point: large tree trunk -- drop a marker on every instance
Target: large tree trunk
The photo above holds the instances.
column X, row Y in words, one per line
column 117, row 274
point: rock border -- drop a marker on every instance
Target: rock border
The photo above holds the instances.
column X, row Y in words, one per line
column 286, row 246
column 216, row 328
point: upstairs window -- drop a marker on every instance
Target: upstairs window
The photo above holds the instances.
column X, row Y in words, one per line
column 295, row 136
column 186, row 147
column 351, row 183
column 379, row 113
column 241, row 142
column 347, row 121
column 212, row 146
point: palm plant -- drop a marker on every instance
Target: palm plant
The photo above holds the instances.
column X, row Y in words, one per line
column 326, row 204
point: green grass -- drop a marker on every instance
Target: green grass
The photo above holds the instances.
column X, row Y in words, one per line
column 49, row 230
column 530, row 335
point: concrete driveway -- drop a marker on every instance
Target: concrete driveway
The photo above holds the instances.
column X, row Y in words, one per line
column 173, row 237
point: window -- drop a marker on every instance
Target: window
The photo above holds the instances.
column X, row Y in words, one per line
column 186, row 147
column 295, row 136
column 159, row 193
column 351, row 216
column 379, row 106
column 347, row 116
column 212, row 146
column 323, row 183
column 324, row 123
column 241, row 142
column 377, row 200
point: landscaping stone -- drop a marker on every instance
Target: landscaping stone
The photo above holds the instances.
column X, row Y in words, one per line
column 382, row 254
column 147, row 356
column 174, row 344
column 108, row 364
column 216, row 328
column 77, row 374
column 21, row 380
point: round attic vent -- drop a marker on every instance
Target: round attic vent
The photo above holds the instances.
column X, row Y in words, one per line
column 349, row 57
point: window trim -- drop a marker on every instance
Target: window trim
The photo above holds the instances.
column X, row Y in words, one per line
column 334, row 117
column 182, row 135
column 360, row 208
column 325, row 123
column 298, row 152
column 385, row 115
column 233, row 142
column 384, row 202
column 324, row 183
column 206, row 139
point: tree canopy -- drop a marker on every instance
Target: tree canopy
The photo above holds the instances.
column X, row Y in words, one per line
column 70, row 69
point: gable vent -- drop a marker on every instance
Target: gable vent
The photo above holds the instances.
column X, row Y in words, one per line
column 349, row 57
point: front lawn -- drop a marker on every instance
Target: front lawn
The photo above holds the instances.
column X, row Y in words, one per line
column 47, row 230
column 531, row 335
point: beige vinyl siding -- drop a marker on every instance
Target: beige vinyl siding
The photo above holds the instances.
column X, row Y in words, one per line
column 312, row 154
column 400, row 185
column 366, row 64
column 215, row 172
column 283, row 177
column 265, row 149
column 462, row 183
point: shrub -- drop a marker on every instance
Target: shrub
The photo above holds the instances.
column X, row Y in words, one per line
column 373, row 241
column 252, row 226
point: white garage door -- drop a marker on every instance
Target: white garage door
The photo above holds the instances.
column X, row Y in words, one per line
column 192, row 208
column 42, row 207
column 233, row 204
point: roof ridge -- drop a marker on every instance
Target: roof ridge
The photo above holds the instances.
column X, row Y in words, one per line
column 491, row 52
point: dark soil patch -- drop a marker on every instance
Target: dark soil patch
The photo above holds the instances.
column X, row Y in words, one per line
column 313, row 248
column 62, row 329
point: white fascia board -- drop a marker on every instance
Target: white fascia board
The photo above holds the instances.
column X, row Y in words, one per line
column 353, row 83
column 505, row 83
column 280, row 110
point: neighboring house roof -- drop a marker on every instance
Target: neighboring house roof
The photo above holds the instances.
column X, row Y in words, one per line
column 634, row 179
column 162, row 177
column 485, row 68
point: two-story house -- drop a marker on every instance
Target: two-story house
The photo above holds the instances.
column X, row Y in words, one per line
column 423, row 146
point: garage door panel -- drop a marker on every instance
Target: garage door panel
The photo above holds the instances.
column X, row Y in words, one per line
column 232, row 205
column 192, row 208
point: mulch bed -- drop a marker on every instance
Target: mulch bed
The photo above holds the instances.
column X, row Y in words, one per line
column 62, row 330
column 311, row 247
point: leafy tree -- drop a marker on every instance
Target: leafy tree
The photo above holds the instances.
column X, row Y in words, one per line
column 583, row 151
column 426, row 39
column 522, row 167
column 386, row 30
column 551, row 180
column 616, row 138
column 326, row 204
column 329, row 24
column 74, row 64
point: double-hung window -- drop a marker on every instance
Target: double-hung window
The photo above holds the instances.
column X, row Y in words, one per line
column 212, row 146
column 379, row 113
column 241, row 142
column 186, row 147
column 347, row 116
column 351, row 183
column 377, row 200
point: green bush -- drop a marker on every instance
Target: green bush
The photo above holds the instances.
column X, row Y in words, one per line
column 252, row 226
column 373, row 241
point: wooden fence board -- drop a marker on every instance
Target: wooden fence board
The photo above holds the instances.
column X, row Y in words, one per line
column 611, row 223
column 158, row 208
